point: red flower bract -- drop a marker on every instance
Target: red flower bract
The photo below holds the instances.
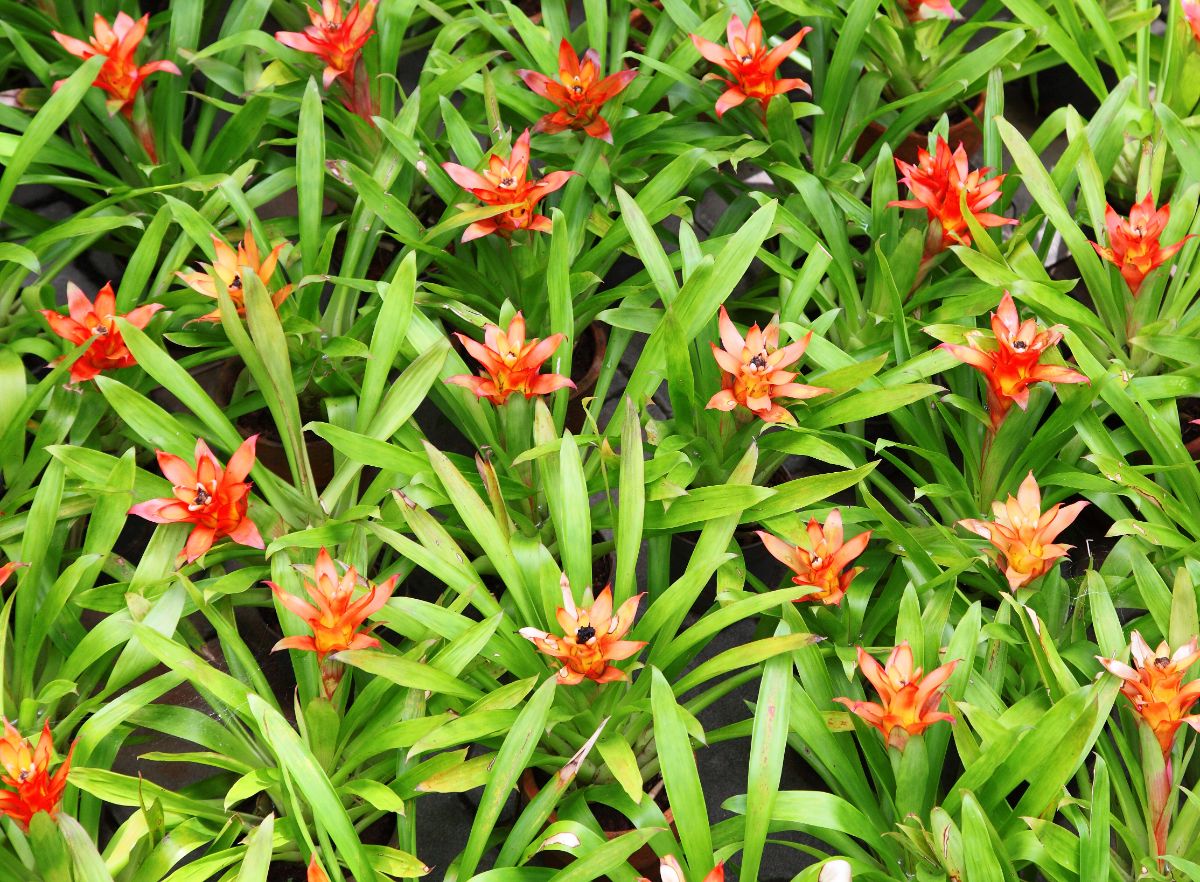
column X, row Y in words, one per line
column 27, row 773
column 908, row 698
column 95, row 322
column 1015, row 363
column 504, row 183
column 752, row 65
column 939, row 184
column 212, row 498
column 579, row 92
column 335, row 37
column 120, row 76
column 1134, row 245
column 510, row 363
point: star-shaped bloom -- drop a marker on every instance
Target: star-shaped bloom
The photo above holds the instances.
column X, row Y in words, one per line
column 579, row 92
column 96, row 322
column 752, row 65
column 754, row 371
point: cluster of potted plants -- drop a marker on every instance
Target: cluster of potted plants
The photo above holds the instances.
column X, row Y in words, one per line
column 407, row 404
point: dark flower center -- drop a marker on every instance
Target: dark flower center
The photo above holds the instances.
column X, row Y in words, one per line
column 759, row 361
column 1162, row 661
column 1020, row 346
column 236, row 284
column 746, row 59
column 507, row 181
column 202, row 496
column 584, row 634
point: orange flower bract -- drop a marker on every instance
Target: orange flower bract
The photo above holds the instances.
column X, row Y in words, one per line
column 214, row 499
column 337, row 617
column 1156, row 689
column 579, row 92
column 228, row 268
column 1014, row 364
column 27, row 773
column 95, row 322
column 336, row 37
column 1133, row 242
column 754, row 371
column 908, row 698
column 753, row 66
column 505, row 183
column 939, row 183
column 315, row 873
column 510, row 363
column 120, row 75
column 823, row 564
column 1024, row 534
column 592, row 638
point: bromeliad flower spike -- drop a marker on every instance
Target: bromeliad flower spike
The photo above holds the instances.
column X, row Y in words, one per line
column 1024, row 534
column 96, row 322
column 336, row 619
column 939, row 183
column 212, row 498
column 27, row 773
column 510, row 363
column 1133, row 242
column 337, row 38
column 908, row 698
column 823, row 564
column 504, row 183
column 592, row 638
column 579, row 93
column 754, row 371
column 752, row 65
column 120, row 75
column 228, row 268
column 1155, row 686
column 1015, row 363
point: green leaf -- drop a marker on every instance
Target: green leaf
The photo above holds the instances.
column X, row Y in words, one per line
column 258, row 852
column 768, row 743
column 682, row 780
column 511, row 761
column 310, row 175
column 43, row 126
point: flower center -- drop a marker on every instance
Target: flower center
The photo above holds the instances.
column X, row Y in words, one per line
column 746, row 59
column 1020, row 345
column 1162, row 661
column 203, row 498
column 508, row 182
column 584, row 634
column 759, row 362
column 816, row 560
column 236, row 284
column 100, row 330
